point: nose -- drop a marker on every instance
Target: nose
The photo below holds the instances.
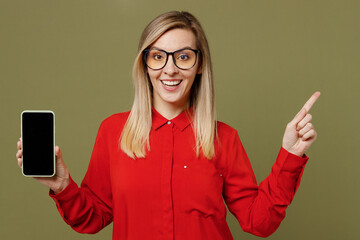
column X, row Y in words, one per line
column 170, row 68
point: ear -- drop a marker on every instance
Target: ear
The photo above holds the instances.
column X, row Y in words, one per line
column 199, row 71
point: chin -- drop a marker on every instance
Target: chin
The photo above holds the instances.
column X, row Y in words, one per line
column 172, row 101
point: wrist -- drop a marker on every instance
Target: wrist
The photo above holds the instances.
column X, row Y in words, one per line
column 63, row 183
column 297, row 153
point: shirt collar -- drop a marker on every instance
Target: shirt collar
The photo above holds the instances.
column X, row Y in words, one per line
column 181, row 121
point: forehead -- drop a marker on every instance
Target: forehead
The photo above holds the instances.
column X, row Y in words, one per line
column 176, row 39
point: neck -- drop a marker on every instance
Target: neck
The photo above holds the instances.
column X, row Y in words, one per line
column 170, row 111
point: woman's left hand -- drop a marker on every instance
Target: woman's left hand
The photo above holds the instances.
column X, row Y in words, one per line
column 300, row 133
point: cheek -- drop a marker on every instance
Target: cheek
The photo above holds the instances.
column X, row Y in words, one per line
column 153, row 76
column 191, row 77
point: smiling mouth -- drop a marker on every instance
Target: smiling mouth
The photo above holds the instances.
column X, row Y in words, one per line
column 171, row 83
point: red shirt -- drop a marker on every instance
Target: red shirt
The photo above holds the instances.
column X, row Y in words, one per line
column 171, row 194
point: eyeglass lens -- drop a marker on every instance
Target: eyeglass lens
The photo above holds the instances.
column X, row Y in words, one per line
column 183, row 59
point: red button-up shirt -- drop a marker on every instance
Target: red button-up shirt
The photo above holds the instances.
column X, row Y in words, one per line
column 171, row 194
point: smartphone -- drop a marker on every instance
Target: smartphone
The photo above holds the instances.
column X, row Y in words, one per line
column 38, row 143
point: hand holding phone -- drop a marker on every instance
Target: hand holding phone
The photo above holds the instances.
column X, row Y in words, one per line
column 41, row 163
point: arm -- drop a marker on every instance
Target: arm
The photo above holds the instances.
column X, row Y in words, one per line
column 88, row 209
column 260, row 210
column 81, row 208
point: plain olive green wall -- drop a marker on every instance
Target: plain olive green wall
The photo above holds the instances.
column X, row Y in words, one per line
column 75, row 58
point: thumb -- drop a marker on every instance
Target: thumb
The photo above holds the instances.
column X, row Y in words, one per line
column 58, row 153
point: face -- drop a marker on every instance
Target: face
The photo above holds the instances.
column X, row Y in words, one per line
column 171, row 85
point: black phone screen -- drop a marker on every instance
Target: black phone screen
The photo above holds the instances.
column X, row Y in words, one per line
column 38, row 143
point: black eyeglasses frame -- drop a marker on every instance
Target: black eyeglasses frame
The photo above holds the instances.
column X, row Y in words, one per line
column 146, row 51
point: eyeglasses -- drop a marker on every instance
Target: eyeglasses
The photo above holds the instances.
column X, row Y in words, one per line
column 156, row 59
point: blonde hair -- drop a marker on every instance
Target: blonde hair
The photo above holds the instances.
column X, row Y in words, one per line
column 135, row 135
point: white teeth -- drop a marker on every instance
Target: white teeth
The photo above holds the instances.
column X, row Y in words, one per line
column 171, row 83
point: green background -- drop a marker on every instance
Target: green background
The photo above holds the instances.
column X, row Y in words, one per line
column 75, row 58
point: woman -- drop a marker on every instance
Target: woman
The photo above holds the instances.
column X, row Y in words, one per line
column 162, row 170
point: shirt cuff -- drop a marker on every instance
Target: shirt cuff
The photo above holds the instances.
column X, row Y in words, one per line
column 290, row 161
column 67, row 193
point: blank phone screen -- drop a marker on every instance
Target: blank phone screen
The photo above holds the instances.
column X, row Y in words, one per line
column 38, row 143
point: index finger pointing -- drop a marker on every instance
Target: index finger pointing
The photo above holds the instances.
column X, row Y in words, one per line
column 308, row 105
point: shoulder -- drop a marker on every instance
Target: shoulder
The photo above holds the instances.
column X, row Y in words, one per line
column 224, row 129
column 116, row 118
column 227, row 136
column 115, row 121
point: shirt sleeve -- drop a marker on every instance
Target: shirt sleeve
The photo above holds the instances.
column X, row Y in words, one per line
column 88, row 209
column 260, row 209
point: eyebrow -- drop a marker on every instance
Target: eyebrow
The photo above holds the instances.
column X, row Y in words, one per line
column 156, row 48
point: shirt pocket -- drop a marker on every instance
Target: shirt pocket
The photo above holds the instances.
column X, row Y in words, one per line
column 202, row 189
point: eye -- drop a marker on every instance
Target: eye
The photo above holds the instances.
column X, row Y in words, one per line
column 157, row 57
column 183, row 57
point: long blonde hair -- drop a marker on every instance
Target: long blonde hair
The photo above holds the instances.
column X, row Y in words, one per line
column 135, row 135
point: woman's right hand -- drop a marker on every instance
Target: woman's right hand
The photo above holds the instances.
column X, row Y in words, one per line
column 60, row 180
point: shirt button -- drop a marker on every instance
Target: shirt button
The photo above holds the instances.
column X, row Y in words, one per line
column 168, row 122
column 185, row 166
